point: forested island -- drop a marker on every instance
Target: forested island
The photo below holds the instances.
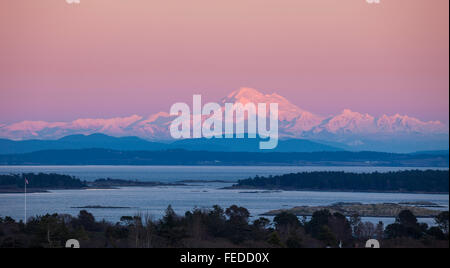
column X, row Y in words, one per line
column 414, row 181
column 15, row 183
column 223, row 228
column 41, row 182
column 417, row 181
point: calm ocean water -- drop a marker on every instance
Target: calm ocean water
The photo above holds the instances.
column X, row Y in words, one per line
column 153, row 201
column 177, row 173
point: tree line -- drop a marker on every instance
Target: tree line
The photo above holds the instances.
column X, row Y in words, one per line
column 41, row 180
column 184, row 157
column 221, row 228
column 432, row 181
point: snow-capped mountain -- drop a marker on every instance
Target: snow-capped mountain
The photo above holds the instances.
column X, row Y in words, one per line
column 121, row 126
column 349, row 127
column 349, row 122
column 293, row 120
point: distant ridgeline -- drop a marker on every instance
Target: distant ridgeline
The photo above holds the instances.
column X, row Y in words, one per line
column 183, row 157
column 429, row 181
column 42, row 181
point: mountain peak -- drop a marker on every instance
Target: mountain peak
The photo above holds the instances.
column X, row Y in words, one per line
column 404, row 123
column 157, row 116
column 286, row 110
column 347, row 112
column 349, row 121
column 350, row 113
column 244, row 92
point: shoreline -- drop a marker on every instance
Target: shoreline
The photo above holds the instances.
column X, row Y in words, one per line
column 112, row 187
column 331, row 191
column 262, row 190
column 379, row 210
column 256, row 164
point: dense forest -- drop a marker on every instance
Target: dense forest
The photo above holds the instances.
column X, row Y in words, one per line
column 429, row 181
column 41, row 180
column 219, row 228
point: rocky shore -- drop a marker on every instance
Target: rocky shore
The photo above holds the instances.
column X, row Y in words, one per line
column 387, row 210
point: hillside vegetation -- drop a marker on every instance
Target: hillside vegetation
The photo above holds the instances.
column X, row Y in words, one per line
column 429, row 181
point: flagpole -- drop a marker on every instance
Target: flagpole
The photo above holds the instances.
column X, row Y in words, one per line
column 25, row 221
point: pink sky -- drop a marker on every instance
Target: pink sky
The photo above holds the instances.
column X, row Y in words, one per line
column 106, row 58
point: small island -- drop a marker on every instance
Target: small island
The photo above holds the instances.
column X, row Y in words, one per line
column 114, row 183
column 386, row 210
column 39, row 183
column 206, row 181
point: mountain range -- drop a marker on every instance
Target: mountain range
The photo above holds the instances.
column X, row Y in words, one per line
column 348, row 130
column 77, row 142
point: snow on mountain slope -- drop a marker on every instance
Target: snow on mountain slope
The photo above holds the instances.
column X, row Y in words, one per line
column 348, row 122
column 294, row 122
column 44, row 130
column 399, row 123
